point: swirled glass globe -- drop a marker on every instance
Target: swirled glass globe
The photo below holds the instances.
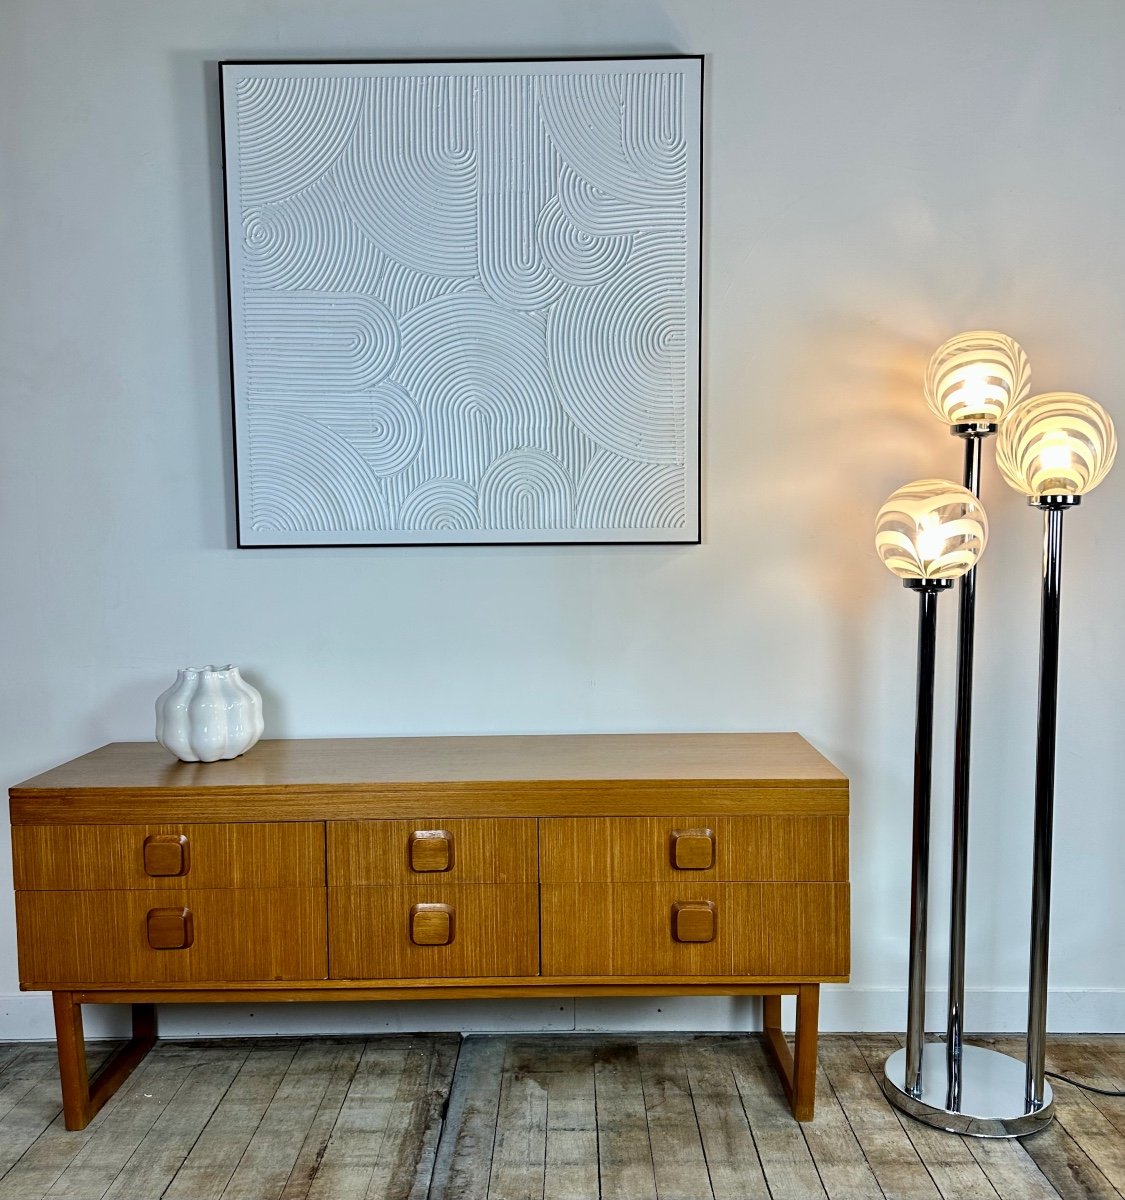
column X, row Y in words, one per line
column 975, row 378
column 1056, row 444
column 931, row 529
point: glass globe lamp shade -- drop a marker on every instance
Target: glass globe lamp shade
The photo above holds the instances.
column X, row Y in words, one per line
column 1057, row 444
column 975, row 378
column 931, row 529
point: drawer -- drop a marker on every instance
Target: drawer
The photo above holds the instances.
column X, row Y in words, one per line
column 70, row 939
column 168, row 855
column 758, row 930
column 421, row 851
column 445, row 930
column 693, row 847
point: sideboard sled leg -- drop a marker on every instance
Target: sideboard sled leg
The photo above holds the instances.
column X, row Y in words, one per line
column 82, row 1097
column 797, row 1070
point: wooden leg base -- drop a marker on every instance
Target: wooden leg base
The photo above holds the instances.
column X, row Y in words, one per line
column 797, row 1071
column 82, row 1097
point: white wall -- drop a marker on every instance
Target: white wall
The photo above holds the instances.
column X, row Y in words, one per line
column 880, row 176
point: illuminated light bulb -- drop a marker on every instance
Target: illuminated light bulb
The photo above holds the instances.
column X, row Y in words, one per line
column 931, row 538
column 930, row 530
column 975, row 378
column 1056, row 444
column 1054, row 455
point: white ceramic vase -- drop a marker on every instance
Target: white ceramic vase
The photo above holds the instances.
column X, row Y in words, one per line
column 209, row 713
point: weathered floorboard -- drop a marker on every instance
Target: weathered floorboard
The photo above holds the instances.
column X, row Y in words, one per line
column 270, row 1154
column 161, row 1152
column 733, row 1164
column 464, row 1157
column 219, row 1148
column 789, row 1168
column 948, row 1158
column 890, row 1153
column 624, row 1150
column 678, row 1161
column 315, row 1141
column 570, row 1169
column 116, row 1137
column 840, row 1161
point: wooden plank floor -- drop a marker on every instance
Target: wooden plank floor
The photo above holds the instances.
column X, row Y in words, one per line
column 549, row 1117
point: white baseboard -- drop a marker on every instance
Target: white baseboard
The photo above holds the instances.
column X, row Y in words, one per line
column 843, row 1009
column 848, row 1009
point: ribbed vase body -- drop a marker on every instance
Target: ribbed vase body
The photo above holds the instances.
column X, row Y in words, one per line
column 209, row 713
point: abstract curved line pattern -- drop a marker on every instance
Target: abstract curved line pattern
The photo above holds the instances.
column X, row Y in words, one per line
column 402, row 289
column 440, row 504
column 301, row 340
column 617, row 355
column 479, row 374
column 515, row 183
column 464, row 300
column 393, row 434
column 604, row 142
column 576, row 256
column 652, row 128
column 306, row 479
column 384, row 425
column 527, row 489
column 410, row 174
column 617, row 493
column 307, row 242
column 291, row 131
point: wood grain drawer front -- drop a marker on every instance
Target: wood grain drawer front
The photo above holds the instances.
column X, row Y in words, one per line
column 446, row 930
column 202, row 936
column 115, row 857
column 409, row 853
column 714, row 848
column 757, row 930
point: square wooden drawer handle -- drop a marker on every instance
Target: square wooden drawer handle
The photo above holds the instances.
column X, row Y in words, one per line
column 431, row 850
column 693, row 921
column 693, row 849
column 431, row 924
column 166, row 854
column 170, row 928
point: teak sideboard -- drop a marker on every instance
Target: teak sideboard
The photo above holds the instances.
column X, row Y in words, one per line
column 396, row 868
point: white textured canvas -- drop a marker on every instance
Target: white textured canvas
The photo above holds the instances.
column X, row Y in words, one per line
column 465, row 300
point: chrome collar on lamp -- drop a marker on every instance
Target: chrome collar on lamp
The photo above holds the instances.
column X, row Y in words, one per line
column 930, row 532
column 973, row 379
column 1055, row 448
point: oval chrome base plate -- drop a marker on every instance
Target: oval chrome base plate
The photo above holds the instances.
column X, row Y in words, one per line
column 992, row 1103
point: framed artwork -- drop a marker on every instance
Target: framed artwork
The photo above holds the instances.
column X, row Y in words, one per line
column 465, row 300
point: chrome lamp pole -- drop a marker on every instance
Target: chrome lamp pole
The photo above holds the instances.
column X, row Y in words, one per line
column 974, row 433
column 928, row 533
column 1036, row 1087
column 1054, row 448
column 971, row 383
column 928, row 591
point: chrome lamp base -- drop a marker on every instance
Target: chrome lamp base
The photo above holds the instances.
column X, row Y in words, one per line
column 992, row 1104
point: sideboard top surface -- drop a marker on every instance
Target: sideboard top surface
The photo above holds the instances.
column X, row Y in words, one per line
column 387, row 777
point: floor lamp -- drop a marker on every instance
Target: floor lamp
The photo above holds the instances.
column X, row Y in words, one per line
column 1054, row 448
column 927, row 533
column 971, row 383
